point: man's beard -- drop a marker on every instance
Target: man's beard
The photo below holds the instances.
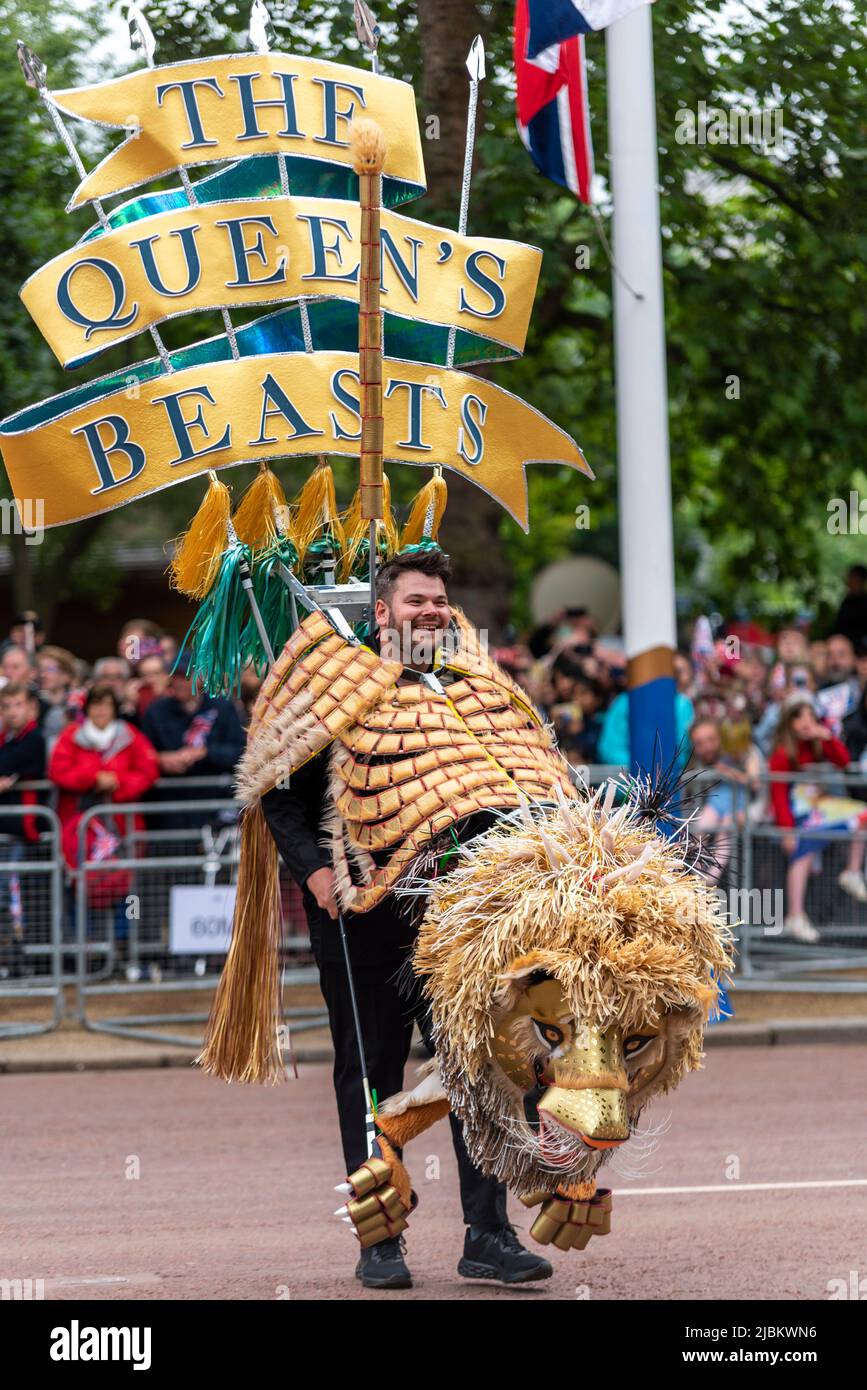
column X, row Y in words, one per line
column 417, row 644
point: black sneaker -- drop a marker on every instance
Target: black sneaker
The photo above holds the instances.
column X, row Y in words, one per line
column 500, row 1255
column 382, row 1266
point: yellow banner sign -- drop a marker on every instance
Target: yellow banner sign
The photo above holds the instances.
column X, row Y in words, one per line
column 213, row 109
column 267, row 250
column 70, row 461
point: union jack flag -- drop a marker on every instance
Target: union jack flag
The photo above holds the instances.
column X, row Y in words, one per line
column 553, row 111
column 553, row 115
column 553, row 21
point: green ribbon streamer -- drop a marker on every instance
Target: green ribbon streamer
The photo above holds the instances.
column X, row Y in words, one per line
column 333, row 327
column 274, row 600
column 214, row 639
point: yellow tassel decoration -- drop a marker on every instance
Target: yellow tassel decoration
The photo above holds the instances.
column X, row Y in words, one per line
column 431, row 500
column 199, row 551
column 316, row 510
column 241, row 1040
column 254, row 518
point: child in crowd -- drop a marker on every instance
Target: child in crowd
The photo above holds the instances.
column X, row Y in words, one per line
column 725, row 802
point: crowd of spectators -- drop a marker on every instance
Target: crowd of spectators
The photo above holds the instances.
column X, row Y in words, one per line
column 102, row 734
column 749, row 703
column 750, row 706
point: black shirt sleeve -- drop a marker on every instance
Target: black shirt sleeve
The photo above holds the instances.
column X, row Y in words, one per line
column 24, row 757
column 294, row 816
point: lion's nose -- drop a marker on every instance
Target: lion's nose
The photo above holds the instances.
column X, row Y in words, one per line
column 596, row 1114
column 588, row 1096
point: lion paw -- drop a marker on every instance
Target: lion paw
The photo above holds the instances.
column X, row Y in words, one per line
column 568, row 1223
column 380, row 1198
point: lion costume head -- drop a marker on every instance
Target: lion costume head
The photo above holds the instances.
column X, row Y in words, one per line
column 572, row 960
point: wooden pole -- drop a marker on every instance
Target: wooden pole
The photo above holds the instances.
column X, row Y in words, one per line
column 368, row 152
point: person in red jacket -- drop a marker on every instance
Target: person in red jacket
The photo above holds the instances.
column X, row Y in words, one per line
column 103, row 759
column 803, row 741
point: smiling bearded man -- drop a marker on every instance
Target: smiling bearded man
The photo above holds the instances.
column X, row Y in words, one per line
column 370, row 763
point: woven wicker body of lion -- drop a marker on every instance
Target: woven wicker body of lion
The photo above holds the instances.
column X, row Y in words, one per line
column 572, row 958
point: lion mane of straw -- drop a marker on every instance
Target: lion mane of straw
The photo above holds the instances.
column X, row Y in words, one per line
column 600, row 901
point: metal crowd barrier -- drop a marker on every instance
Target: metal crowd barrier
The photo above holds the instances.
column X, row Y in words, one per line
column 753, row 885
column 31, row 897
column 122, row 914
column 771, row 960
column 77, row 938
column 79, row 930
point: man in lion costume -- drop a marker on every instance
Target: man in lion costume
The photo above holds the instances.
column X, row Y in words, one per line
column 566, row 951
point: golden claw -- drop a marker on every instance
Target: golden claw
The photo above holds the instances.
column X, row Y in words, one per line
column 566, row 1223
column 376, row 1208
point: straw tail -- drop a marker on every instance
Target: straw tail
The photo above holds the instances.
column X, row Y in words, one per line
column 241, row 1039
column 368, row 156
column 426, row 513
column 199, row 551
column 357, row 531
column 256, row 517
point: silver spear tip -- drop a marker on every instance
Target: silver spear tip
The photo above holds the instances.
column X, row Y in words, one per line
column 366, row 27
column 263, row 36
column 32, row 66
column 141, row 36
column 476, row 59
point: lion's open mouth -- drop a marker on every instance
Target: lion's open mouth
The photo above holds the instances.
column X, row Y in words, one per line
column 562, row 1146
column 559, row 1146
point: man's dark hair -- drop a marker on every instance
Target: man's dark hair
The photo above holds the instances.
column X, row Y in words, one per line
column 431, row 562
column 858, row 570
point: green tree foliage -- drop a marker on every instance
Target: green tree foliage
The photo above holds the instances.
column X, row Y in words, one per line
column 764, row 255
column 763, row 247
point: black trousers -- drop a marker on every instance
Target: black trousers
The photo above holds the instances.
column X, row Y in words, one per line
column 379, row 947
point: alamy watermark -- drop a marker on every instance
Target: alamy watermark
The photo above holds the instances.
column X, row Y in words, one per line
column 716, row 125
column 77, row 1343
column 25, row 517
column 755, row 907
column 847, row 517
column 419, row 647
column 21, row 1290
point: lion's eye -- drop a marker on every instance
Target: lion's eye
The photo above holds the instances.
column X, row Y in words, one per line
column 635, row 1042
column 550, row 1034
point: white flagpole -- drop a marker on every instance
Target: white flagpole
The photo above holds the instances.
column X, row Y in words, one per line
column 644, row 492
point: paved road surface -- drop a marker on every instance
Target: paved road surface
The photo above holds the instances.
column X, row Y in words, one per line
column 233, row 1197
